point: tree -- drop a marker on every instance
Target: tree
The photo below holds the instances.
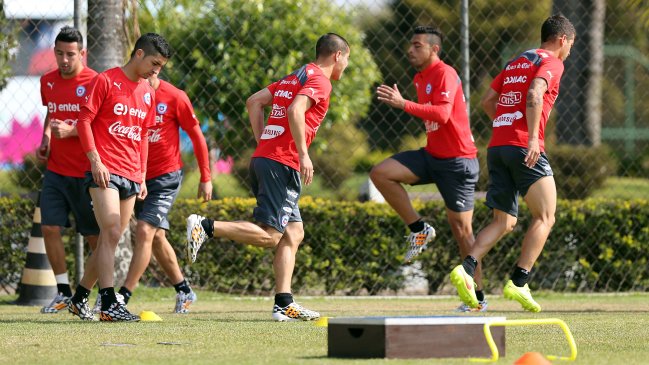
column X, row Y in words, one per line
column 106, row 39
column 7, row 45
column 226, row 50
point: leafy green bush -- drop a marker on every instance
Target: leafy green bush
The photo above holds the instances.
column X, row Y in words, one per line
column 351, row 248
column 15, row 226
column 580, row 170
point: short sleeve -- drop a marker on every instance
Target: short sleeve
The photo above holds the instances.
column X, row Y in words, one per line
column 551, row 71
column 446, row 88
column 317, row 88
column 497, row 83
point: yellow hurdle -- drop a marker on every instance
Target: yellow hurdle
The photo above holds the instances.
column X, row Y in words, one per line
column 528, row 322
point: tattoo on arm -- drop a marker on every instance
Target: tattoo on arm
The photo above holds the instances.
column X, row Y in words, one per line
column 535, row 93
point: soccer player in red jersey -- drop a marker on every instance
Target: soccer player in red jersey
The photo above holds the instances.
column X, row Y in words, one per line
column 280, row 163
column 113, row 127
column 449, row 158
column 63, row 90
column 164, row 176
column 519, row 102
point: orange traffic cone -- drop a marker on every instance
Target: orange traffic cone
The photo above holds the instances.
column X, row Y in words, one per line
column 532, row 358
column 37, row 284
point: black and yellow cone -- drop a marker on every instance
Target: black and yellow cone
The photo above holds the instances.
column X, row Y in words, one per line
column 37, row 284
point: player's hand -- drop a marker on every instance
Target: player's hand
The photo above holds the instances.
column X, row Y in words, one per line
column 306, row 169
column 61, row 129
column 44, row 149
column 205, row 191
column 533, row 153
column 143, row 191
column 100, row 174
column 391, row 96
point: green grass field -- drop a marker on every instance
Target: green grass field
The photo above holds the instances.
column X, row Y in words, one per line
column 608, row 329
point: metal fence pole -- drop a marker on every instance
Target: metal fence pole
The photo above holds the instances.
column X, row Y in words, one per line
column 78, row 242
column 464, row 30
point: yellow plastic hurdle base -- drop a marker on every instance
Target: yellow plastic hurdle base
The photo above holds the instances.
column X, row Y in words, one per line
column 528, row 322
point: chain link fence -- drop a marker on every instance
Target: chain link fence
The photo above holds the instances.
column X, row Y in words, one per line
column 597, row 136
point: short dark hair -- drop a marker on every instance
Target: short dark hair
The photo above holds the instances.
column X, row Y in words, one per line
column 69, row 34
column 152, row 44
column 435, row 35
column 556, row 26
column 329, row 44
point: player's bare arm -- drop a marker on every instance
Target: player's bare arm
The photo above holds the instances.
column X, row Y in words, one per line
column 255, row 106
column 489, row 102
column 100, row 173
column 296, row 121
column 534, row 107
column 44, row 149
column 391, row 96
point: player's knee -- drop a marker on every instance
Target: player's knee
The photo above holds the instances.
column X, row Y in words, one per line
column 50, row 230
column 112, row 233
column 377, row 173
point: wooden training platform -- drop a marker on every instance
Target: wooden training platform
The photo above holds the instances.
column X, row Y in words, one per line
column 412, row 337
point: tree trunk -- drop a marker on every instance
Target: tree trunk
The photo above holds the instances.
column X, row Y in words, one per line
column 107, row 49
column 106, row 40
column 578, row 107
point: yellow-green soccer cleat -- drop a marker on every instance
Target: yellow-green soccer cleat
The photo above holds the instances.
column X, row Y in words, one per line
column 465, row 286
column 521, row 295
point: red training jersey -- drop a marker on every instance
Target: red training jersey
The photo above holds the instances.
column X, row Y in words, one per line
column 174, row 110
column 442, row 106
column 119, row 111
column 63, row 99
column 276, row 141
column 512, row 83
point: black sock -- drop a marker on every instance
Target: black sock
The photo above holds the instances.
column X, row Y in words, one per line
column 64, row 289
column 126, row 294
column 480, row 295
column 520, row 276
column 208, row 226
column 80, row 294
column 183, row 286
column 283, row 299
column 107, row 297
column 417, row 226
column 469, row 264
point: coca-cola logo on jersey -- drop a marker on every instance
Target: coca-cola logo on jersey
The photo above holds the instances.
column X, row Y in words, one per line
column 131, row 132
column 154, row 135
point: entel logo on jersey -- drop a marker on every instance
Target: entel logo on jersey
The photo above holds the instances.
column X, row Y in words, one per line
column 510, row 99
column 67, row 107
column 277, row 112
column 81, row 91
column 123, row 109
column 515, row 80
column 147, row 99
column 161, row 108
column 272, row 131
column 284, row 94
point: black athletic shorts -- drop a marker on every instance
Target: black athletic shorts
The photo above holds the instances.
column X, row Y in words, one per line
column 277, row 188
column 161, row 194
column 62, row 195
column 124, row 186
column 455, row 177
column 509, row 176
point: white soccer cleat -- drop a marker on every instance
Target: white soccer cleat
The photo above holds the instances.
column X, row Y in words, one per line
column 195, row 235
column 293, row 313
column 418, row 241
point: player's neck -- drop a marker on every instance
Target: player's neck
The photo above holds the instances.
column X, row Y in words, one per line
column 72, row 75
column 551, row 47
column 327, row 69
column 129, row 71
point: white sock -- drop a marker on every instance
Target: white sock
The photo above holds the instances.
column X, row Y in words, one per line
column 62, row 278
